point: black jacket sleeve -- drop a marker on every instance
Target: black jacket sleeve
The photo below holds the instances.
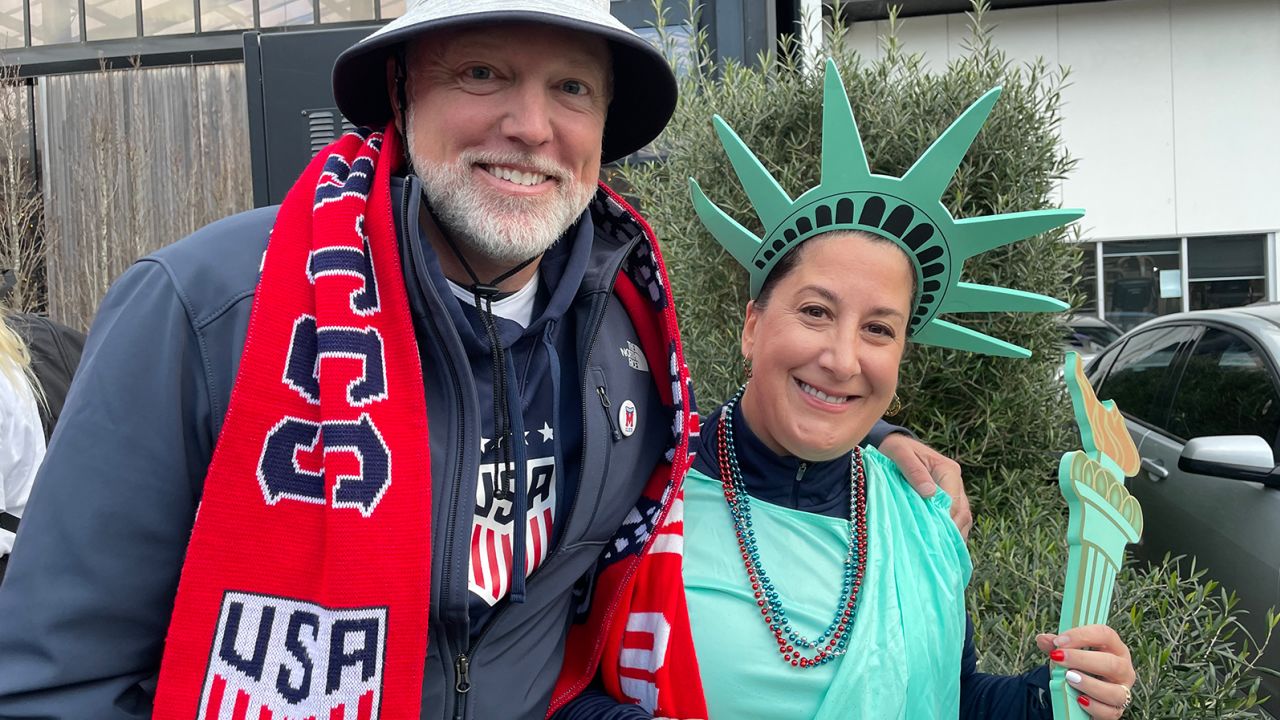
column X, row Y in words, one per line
column 1001, row 697
column 882, row 430
column 596, row 704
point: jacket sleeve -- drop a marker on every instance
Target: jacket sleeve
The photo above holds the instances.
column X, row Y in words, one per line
column 90, row 587
column 992, row 697
column 882, row 430
column 596, row 704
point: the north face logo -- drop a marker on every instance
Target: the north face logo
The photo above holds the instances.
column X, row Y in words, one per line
column 635, row 357
column 282, row 659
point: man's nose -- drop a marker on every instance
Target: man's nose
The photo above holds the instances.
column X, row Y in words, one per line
column 528, row 118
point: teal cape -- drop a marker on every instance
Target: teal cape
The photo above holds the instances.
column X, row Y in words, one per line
column 908, row 631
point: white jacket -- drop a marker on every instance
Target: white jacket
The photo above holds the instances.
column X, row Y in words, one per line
column 21, row 447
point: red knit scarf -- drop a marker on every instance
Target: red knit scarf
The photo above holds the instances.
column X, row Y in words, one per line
column 305, row 590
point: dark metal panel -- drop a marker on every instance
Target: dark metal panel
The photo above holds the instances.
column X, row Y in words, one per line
column 741, row 29
column 256, row 107
column 639, row 13
column 289, row 80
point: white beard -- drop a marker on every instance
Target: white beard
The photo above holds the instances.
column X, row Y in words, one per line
column 502, row 228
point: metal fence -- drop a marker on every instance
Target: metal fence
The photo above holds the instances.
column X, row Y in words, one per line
column 133, row 160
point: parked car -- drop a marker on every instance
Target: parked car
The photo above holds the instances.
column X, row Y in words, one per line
column 1200, row 392
column 1088, row 335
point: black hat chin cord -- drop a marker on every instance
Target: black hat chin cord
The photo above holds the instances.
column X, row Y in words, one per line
column 485, row 293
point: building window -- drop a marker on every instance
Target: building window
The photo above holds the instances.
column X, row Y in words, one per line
column 345, row 10
column 225, row 15
column 1142, row 279
column 283, row 13
column 391, row 8
column 12, row 32
column 1087, row 283
column 168, row 17
column 110, row 19
column 1226, row 271
column 55, row 22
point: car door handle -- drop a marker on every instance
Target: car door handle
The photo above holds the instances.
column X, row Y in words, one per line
column 1157, row 471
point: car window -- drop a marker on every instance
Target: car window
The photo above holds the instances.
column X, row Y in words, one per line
column 1099, row 336
column 1097, row 369
column 1226, row 389
column 1140, row 379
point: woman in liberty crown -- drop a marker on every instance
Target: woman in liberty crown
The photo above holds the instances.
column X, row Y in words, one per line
column 817, row 581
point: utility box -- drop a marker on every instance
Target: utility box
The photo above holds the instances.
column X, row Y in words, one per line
column 290, row 97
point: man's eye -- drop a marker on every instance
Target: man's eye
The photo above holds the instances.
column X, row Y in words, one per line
column 479, row 73
column 573, row 87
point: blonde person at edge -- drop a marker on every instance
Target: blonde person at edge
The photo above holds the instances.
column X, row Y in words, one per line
column 816, row 580
column 21, row 435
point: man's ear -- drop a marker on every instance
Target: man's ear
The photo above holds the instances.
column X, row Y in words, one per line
column 393, row 93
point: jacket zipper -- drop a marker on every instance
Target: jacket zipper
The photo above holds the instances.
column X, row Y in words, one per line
column 461, row 684
column 795, row 487
column 608, row 412
column 462, row 663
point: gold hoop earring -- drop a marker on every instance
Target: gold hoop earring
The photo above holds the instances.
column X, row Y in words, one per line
column 895, row 406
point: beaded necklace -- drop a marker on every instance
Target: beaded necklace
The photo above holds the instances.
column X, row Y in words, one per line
column 834, row 641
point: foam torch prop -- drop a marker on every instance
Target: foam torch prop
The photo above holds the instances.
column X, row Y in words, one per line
column 1104, row 518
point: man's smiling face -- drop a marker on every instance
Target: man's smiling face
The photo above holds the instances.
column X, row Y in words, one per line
column 505, row 131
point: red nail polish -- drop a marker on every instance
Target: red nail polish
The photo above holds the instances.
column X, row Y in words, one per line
column 1058, row 655
column 1084, row 701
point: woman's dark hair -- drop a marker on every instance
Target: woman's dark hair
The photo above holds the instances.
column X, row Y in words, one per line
column 788, row 262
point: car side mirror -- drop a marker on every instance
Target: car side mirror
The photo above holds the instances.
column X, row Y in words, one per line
column 1238, row 457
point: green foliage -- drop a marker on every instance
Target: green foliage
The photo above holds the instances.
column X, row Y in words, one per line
column 1192, row 656
column 1006, row 421
column 984, row 412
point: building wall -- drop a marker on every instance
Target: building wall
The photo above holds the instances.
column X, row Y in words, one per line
column 1171, row 112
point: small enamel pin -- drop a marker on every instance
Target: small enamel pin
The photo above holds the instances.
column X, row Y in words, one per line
column 627, row 418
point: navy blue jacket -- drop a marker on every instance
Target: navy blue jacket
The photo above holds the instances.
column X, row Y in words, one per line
column 86, row 602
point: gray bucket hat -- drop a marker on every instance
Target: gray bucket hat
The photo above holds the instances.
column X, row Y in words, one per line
column 644, row 88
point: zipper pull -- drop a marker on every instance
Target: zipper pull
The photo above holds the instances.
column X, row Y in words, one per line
column 800, row 471
column 463, row 667
column 608, row 412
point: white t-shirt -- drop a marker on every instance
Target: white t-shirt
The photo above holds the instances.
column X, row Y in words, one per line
column 516, row 307
column 21, row 447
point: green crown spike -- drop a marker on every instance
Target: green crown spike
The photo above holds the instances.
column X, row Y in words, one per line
column 906, row 210
column 844, row 162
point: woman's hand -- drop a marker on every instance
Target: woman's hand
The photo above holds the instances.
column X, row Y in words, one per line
column 1098, row 665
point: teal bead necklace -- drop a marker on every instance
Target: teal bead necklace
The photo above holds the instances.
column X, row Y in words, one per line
column 794, row 647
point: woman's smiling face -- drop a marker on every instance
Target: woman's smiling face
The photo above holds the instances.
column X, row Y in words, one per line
column 826, row 345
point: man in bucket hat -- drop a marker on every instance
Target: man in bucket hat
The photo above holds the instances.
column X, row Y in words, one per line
column 415, row 457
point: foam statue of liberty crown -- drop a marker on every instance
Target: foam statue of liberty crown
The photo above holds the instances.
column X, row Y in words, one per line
column 906, row 210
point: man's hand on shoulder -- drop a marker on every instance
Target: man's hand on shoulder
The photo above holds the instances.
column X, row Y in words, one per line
column 927, row 469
